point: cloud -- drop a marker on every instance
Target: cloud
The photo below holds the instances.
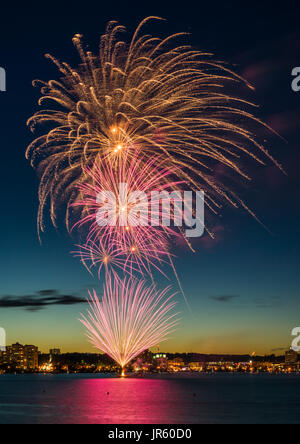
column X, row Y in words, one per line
column 269, row 303
column 224, row 297
column 39, row 300
column 47, row 292
column 279, row 349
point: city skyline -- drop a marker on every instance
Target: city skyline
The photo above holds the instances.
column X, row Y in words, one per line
column 28, row 358
column 86, row 349
column 155, row 350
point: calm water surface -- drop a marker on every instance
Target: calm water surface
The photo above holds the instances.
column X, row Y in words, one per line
column 88, row 399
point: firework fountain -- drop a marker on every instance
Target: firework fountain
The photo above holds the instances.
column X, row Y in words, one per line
column 130, row 318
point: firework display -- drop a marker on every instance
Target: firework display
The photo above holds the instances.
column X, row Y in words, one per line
column 130, row 318
column 153, row 115
column 153, row 95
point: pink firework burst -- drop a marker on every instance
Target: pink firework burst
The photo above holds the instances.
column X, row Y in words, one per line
column 130, row 318
column 133, row 175
column 124, row 243
column 103, row 257
column 128, row 257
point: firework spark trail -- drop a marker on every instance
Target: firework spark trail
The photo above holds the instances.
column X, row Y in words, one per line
column 129, row 319
column 153, row 95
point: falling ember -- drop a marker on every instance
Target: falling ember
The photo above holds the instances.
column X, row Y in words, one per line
column 130, row 318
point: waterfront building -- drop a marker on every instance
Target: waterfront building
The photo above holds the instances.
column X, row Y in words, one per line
column 24, row 357
column 161, row 361
column 291, row 357
column 54, row 351
column 176, row 364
